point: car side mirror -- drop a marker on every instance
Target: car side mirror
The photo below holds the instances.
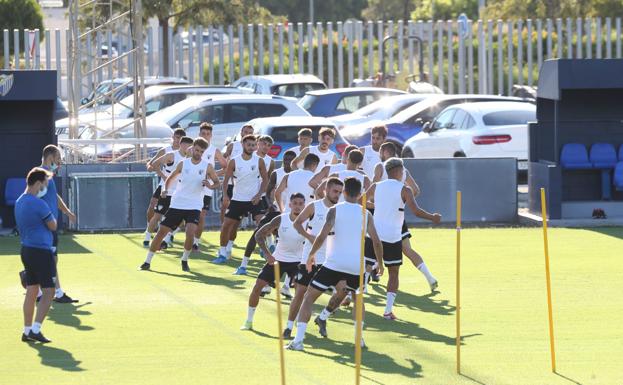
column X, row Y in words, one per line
column 427, row 127
column 84, row 101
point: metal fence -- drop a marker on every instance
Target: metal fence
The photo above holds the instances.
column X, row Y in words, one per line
column 489, row 56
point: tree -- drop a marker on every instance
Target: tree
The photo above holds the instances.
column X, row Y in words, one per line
column 20, row 14
column 445, row 9
column 324, row 10
column 389, row 10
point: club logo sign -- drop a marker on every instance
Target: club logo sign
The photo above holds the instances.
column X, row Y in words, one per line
column 6, row 83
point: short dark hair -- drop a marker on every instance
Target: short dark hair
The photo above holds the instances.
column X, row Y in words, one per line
column 389, row 147
column 266, row 139
column 297, row 195
column 381, row 130
column 249, row 137
column 205, row 126
column 187, row 139
column 245, row 126
column 50, row 150
column 352, row 186
column 305, row 132
column 289, row 154
column 326, row 131
column 202, row 143
column 179, row 132
column 355, row 156
column 311, row 160
column 349, row 148
column 334, row 181
column 37, row 174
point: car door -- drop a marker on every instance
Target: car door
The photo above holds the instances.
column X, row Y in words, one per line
column 448, row 138
column 429, row 144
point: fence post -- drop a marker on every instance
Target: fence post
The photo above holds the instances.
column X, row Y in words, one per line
column 519, row 54
column 360, row 49
column 5, row 40
column 37, row 49
column 431, row 73
column 370, row 49
column 319, row 39
column 410, row 30
column 251, row 50
column 299, row 27
column 380, row 34
column 400, row 38
column 578, row 47
column 350, row 36
column 482, row 73
column 559, row 40
column 450, row 57
column 180, row 52
column 390, row 55
column 330, row 54
column 511, row 27
column 589, row 38
column 271, row 50
column 340, row 55
column 260, row 49
column 150, row 50
column 57, row 57
column 191, row 53
column 16, row 49
column 440, row 45
column 280, row 41
column 310, row 48
column 490, row 56
column 291, row 46
column 470, row 57
column 201, row 54
column 461, row 63
column 569, row 38
column 529, row 52
column 500, row 58
column 608, row 38
column 599, row 37
column 549, row 38
column 221, row 55
column 241, row 71
column 618, row 27
column 26, row 48
column 48, row 44
column 161, row 55
column 539, row 43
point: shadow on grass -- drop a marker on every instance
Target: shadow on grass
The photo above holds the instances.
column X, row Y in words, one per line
column 57, row 358
column 67, row 244
column 424, row 303
column 616, row 232
column 193, row 276
column 567, row 378
column 471, row 379
column 68, row 314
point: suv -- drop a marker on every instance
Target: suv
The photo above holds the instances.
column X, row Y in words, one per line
column 292, row 86
column 340, row 101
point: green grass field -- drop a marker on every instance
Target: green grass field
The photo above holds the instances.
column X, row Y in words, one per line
column 170, row 327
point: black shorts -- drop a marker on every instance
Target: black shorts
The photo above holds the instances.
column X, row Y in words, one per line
column 157, row 192
column 270, row 215
column 326, row 278
column 263, row 206
column 304, row 277
column 268, row 271
column 405, row 230
column 163, row 205
column 39, row 265
column 174, row 217
column 392, row 253
column 239, row 209
column 207, row 201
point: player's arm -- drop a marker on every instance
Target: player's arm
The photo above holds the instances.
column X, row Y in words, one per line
column 265, row 231
column 407, row 197
column 229, row 173
column 171, row 178
column 378, row 173
column 158, row 155
column 370, row 196
column 411, row 183
column 43, row 210
column 271, row 168
column 334, row 160
column 307, row 212
column 366, row 181
column 63, row 207
column 319, row 192
column 280, row 189
column 270, row 189
column 218, row 155
column 157, row 164
column 211, row 174
column 228, row 150
column 264, row 177
column 299, row 158
column 320, row 238
column 376, row 243
column 317, row 179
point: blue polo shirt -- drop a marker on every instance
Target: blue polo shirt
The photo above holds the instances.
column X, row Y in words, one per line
column 31, row 215
column 51, row 197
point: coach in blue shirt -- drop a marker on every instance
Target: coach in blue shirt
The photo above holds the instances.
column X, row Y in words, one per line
column 35, row 223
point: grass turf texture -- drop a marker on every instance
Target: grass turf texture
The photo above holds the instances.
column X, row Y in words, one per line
column 170, row 327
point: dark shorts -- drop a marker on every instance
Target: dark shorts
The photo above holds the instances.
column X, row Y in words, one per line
column 304, row 277
column 39, row 265
column 272, row 214
column 326, row 278
column 268, row 271
column 174, row 217
column 207, row 201
column 157, row 192
column 239, row 209
column 263, row 206
column 405, row 230
column 392, row 253
column 163, row 205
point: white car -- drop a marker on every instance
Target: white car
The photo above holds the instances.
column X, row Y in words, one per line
column 227, row 113
column 477, row 130
column 293, row 86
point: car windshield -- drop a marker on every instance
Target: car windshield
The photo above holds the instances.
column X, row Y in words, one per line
column 296, row 90
column 373, row 108
column 308, row 101
column 169, row 114
column 508, row 118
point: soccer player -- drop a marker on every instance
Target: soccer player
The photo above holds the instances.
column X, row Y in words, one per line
column 287, row 253
column 51, row 161
column 304, row 140
column 178, row 134
column 371, row 156
column 331, row 168
column 326, row 137
column 186, row 201
column 308, row 224
column 353, row 163
column 36, row 223
column 389, row 198
column 297, row 181
column 164, row 166
column 250, row 179
column 388, row 150
column 212, row 154
column 343, row 255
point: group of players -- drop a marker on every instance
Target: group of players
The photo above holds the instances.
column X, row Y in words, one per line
column 308, row 213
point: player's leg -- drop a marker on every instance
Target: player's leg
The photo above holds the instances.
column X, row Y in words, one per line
column 418, row 262
column 251, row 243
column 295, row 305
column 363, row 312
column 44, row 271
column 334, row 303
column 392, row 289
column 264, row 278
column 191, row 230
column 207, row 201
column 305, row 312
column 29, row 309
column 150, row 213
column 154, row 246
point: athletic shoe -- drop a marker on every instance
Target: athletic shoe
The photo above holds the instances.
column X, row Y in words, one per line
column 145, row 266
column 322, row 326
column 195, row 247
column 25, row 338
column 240, row 271
column 297, row 346
column 219, row 260
column 285, row 291
column 247, row 326
column 65, row 299
column 38, row 337
column 185, row 266
column 163, row 245
column 390, row 316
column 287, row 333
column 265, row 290
column 146, row 243
column 434, row 286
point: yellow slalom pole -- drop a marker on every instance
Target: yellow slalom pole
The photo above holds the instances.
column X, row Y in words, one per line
column 547, row 279
column 359, row 299
column 279, row 322
column 458, row 282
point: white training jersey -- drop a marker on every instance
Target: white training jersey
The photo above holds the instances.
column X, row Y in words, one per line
column 290, row 245
column 236, row 150
column 314, row 225
column 344, row 245
column 168, row 168
column 335, row 168
column 384, row 177
column 297, row 150
column 267, row 160
column 209, row 155
column 298, row 182
column 389, row 210
column 325, row 157
column 189, row 192
column 342, row 175
column 279, row 174
column 370, row 159
column 246, row 176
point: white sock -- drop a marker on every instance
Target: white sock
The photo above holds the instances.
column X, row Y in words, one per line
column 58, row 293
column 222, row 251
column 266, row 289
column 324, row 314
column 245, row 262
column 290, row 325
column 150, row 255
column 40, row 293
column 391, row 297
column 185, row 255
column 36, row 327
column 175, row 231
column 196, row 242
column 356, row 329
column 250, row 314
column 167, row 238
column 230, row 246
column 147, row 236
column 429, row 277
column 301, row 327
column 286, row 283
column 26, row 330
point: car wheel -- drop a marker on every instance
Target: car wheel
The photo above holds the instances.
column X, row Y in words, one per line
column 459, row 154
column 407, row 153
